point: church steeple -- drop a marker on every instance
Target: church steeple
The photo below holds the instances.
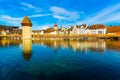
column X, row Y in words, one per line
column 55, row 27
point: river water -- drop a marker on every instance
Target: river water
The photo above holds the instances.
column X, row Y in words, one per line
column 59, row 60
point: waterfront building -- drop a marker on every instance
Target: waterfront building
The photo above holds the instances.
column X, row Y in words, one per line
column 55, row 31
column 4, row 29
column 26, row 28
column 80, row 29
column 16, row 31
column 37, row 32
column 49, row 31
column 113, row 29
column 98, row 29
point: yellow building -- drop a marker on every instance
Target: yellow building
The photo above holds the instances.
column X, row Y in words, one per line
column 26, row 28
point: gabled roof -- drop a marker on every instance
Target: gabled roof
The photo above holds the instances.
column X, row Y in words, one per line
column 70, row 29
column 81, row 26
column 97, row 26
column 26, row 21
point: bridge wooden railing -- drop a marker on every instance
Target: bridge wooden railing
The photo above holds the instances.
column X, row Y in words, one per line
column 10, row 35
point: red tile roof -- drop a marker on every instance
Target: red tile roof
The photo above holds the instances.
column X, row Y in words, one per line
column 97, row 26
column 113, row 29
column 48, row 30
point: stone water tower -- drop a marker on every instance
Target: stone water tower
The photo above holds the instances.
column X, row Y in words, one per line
column 26, row 28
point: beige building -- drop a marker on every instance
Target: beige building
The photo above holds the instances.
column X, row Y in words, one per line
column 26, row 28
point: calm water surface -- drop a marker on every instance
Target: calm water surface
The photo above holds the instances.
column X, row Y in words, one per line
column 59, row 60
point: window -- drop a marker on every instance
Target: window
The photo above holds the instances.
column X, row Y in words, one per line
column 100, row 32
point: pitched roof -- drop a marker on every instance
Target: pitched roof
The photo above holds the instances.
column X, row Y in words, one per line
column 97, row 26
column 81, row 26
column 48, row 30
column 26, row 21
column 70, row 29
column 113, row 29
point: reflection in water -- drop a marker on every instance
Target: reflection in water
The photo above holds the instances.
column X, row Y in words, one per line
column 97, row 46
column 113, row 45
column 55, row 46
column 83, row 46
column 27, row 49
column 4, row 43
column 60, row 66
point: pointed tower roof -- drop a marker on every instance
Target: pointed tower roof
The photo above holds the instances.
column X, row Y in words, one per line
column 55, row 25
column 26, row 21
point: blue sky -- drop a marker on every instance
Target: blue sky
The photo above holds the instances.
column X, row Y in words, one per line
column 44, row 13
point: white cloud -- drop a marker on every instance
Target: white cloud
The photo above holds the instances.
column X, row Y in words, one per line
column 42, row 27
column 30, row 6
column 63, row 14
column 16, row 21
column 107, row 15
column 11, row 20
column 39, row 15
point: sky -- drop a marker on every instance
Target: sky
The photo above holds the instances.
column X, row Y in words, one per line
column 44, row 13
